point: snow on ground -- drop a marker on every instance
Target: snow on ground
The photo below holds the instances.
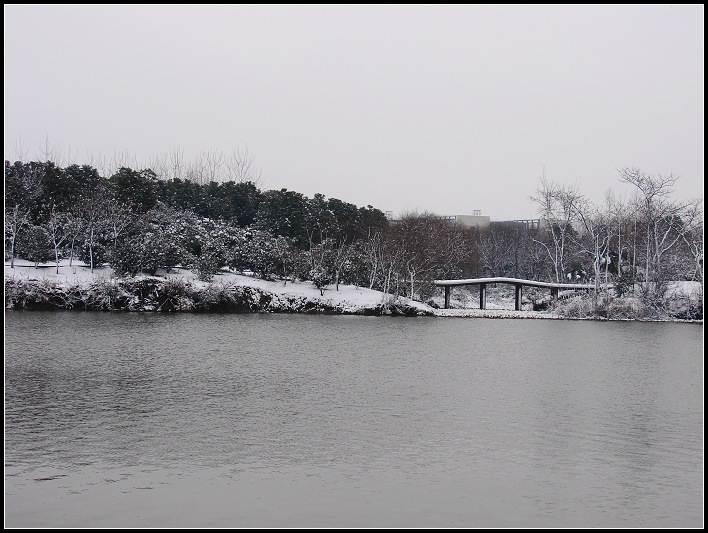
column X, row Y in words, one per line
column 500, row 300
column 347, row 298
column 78, row 273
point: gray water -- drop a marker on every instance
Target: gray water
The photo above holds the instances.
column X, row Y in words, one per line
column 152, row 420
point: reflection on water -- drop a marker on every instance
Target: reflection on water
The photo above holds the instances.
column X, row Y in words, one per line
column 272, row 420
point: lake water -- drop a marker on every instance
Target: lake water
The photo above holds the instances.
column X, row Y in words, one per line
column 154, row 420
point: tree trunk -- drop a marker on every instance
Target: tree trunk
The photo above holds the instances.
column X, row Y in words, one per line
column 91, row 249
column 12, row 251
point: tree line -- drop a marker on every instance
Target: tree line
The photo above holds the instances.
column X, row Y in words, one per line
column 137, row 221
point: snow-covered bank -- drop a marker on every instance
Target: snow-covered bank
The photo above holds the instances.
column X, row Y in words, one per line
column 75, row 287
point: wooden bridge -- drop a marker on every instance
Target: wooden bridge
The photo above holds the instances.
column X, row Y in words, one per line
column 518, row 283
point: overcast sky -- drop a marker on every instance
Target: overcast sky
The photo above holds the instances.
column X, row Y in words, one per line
column 447, row 109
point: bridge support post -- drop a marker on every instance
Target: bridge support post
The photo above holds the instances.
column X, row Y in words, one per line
column 482, row 295
column 554, row 293
column 447, row 296
column 517, row 299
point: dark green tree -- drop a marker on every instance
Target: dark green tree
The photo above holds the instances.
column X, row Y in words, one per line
column 284, row 213
column 137, row 189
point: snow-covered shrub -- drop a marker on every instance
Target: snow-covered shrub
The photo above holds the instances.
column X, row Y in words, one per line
column 104, row 295
column 320, row 278
column 685, row 307
column 175, row 295
column 98, row 250
column 215, row 297
column 34, row 245
column 268, row 256
column 576, row 307
column 125, row 259
column 206, row 265
column 622, row 309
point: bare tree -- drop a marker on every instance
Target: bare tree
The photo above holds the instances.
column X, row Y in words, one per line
column 49, row 152
column 175, row 166
column 372, row 250
column 340, row 256
column 241, row 168
column 557, row 206
column 426, row 247
column 100, row 163
column 384, row 258
column 594, row 239
column 93, row 212
column 59, row 230
column 207, row 168
column 74, row 231
column 158, row 166
column 694, row 240
column 496, row 248
column 23, row 185
column 20, row 151
column 16, row 219
column 666, row 223
column 122, row 159
column 415, row 238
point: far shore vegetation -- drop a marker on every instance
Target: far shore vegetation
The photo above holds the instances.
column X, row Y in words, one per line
column 212, row 215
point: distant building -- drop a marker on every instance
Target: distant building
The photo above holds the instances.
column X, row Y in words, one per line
column 476, row 220
column 527, row 223
column 539, row 223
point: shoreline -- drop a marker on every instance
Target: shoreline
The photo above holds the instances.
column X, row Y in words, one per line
column 29, row 287
column 540, row 315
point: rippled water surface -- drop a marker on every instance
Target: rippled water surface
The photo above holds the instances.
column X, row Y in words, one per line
column 277, row 420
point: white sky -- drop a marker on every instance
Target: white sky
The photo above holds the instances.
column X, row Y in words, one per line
column 447, row 109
